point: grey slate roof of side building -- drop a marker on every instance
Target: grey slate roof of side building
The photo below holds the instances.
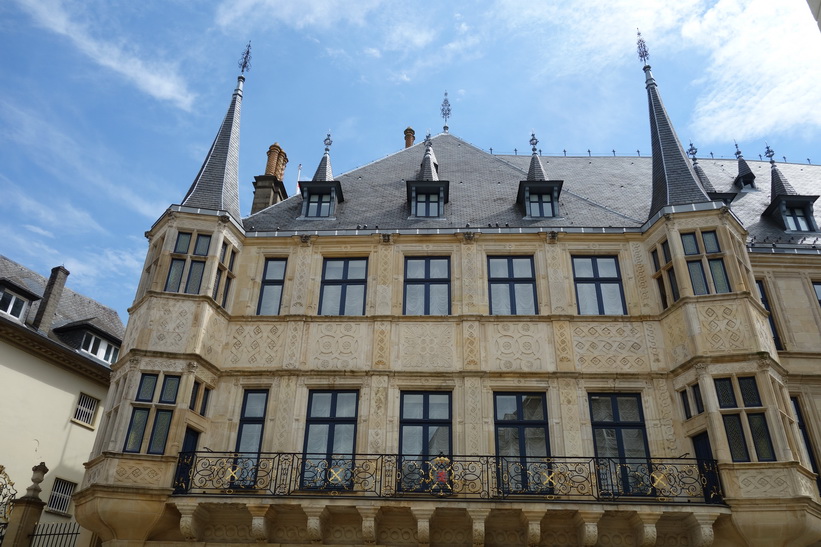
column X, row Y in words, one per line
column 73, row 309
column 597, row 192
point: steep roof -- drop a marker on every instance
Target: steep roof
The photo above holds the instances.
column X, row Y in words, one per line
column 216, row 186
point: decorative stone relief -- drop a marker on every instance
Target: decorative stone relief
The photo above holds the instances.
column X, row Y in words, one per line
column 424, row 345
column 517, row 346
column 557, row 279
column 381, row 344
column 256, row 344
column 338, row 347
column 397, row 536
column 144, row 474
column 299, row 291
column 665, row 405
column 473, row 414
column 170, row 327
column 562, row 337
column 384, row 281
column 722, row 327
column 571, row 422
column 379, row 403
column 676, row 334
column 563, row 537
column 470, row 276
column 610, row 347
column 212, row 338
column 345, row 534
column 222, row 532
column 284, row 427
column 503, row 538
column 293, row 346
column 289, row 533
column 470, row 345
column 651, row 334
column 642, row 273
column 764, row 483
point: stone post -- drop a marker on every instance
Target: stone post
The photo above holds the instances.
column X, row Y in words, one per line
column 26, row 511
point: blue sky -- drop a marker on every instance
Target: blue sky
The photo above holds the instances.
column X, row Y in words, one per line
column 108, row 107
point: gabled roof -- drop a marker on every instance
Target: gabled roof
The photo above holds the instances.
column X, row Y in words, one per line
column 216, row 186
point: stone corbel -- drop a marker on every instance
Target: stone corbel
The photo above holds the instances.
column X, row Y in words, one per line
column 701, row 529
column 259, row 522
column 587, row 527
column 468, row 237
column 368, row 514
column 422, row 516
column 644, row 527
column 192, row 519
column 478, row 518
column 533, row 521
column 315, row 515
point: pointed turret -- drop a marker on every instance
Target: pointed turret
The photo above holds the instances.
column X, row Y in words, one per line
column 536, row 171
column 323, row 170
column 216, row 186
column 788, row 208
column 779, row 185
column 745, row 177
column 675, row 182
column 429, row 169
column 538, row 196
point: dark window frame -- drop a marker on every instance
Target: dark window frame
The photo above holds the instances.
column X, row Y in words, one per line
column 517, row 471
column 416, row 468
column 267, row 283
column 344, row 282
column 427, row 282
column 337, row 472
column 511, row 281
column 598, row 281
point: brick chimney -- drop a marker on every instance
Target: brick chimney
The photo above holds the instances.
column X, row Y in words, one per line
column 410, row 136
column 51, row 299
column 269, row 188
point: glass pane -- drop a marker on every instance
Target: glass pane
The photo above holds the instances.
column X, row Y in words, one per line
column 601, row 408
column 710, row 242
column 611, row 299
column 522, row 267
column 136, row 430
column 194, row 277
column 690, row 244
column 735, row 438
column 633, row 441
column 414, row 299
column 148, row 383
column 673, row 283
column 583, row 267
column 439, row 268
column 507, row 439
column 250, row 437
column 354, row 300
column 317, row 439
column 346, row 405
column 506, row 407
column 438, row 440
column 697, row 399
column 183, row 241
column 162, row 422
column 255, row 405
column 665, row 249
column 498, row 267
column 533, row 407
column 343, row 438
column 724, row 392
column 697, row 277
column 655, row 255
column 588, row 301
column 535, row 442
column 334, row 269
column 761, row 437
column 331, row 295
column 606, row 445
column 439, row 406
column 169, row 389
column 5, row 301
column 357, row 268
column 269, row 299
column 629, row 410
column 722, row 284
column 203, row 242
column 321, row 405
column 525, row 303
column 415, row 268
column 499, row 299
column 817, row 287
column 412, row 406
column 274, row 270
column 412, row 440
column 607, row 267
column 439, row 301
column 174, row 275
column 749, row 391
column 685, row 402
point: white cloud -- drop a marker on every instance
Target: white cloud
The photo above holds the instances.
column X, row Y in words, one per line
column 373, row 52
column 155, row 78
column 296, row 13
column 38, row 230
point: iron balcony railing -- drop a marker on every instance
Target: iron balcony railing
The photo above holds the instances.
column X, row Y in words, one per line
column 456, row 477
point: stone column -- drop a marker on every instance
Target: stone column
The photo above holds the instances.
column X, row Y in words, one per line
column 423, row 515
column 26, row 511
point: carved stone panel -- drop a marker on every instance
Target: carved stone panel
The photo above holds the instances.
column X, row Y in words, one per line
column 611, row 347
column 517, row 346
column 257, row 344
column 337, row 346
column 426, row 346
column 722, row 327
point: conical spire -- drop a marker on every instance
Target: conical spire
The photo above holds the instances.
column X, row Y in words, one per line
column 323, row 170
column 216, row 186
column 428, row 170
column 780, row 186
column 675, row 182
column 536, row 171
column 745, row 176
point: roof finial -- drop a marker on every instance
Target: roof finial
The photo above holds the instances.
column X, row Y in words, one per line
column 642, row 48
column 769, row 153
column 533, row 140
column 328, row 142
column 692, row 151
column 245, row 60
column 428, row 141
column 737, row 152
column 446, row 111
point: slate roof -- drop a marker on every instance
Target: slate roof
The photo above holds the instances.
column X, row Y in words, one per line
column 598, row 192
column 74, row 309
column 216, row 186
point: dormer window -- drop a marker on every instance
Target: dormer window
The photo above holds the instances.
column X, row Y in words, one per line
column 100, row 348
column 796, row 219
column 792, row 213
column 539, row 198
column 427, row 198
column 12, row 304
column 319, row 205
column 320, row 198
column 540, row 204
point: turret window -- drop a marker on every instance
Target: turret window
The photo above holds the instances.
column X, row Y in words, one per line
column 196, row 268
column 710, row 260
column 665, row 275
column 225, row 271
column 745, row 424
column 162, row 410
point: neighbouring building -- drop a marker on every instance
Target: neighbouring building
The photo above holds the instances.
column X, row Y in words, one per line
column 451, row 347
column 56, row 349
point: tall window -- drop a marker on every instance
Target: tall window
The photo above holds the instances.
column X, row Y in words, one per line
column 512, row 285
column 665, row 275
column 343, row 286
column 149, row 401
column 11, row 303
column 620, row 441
column 598, row 285
column 427, row 204
column 249, row 436
column 425, row 434
column 762, row 294
column 59, row 500
column 805, row 436
column 521, row 441
column 195, row 263
column 330, row 438
column 745, row 423
column 270, row 293
column 319, row 205
column 225, row 271
column 817, row 287
column 703, row 256
column 427, row 286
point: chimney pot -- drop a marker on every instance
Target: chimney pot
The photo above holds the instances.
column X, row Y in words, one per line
column 410, row 137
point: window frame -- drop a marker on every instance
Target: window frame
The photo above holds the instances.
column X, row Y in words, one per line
column 327, row 461
column 14, row 300
column 763, row 295
column 524, row 465
column 414, row 468
column 736, row 410
column 707, row 263
column 59, row 499
column 598, row 281
column 183, row 260
column 344, row 283
column 511, row 281
column 99, row 347
column 86, row 414
column 426, row 282
column 266, row 284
